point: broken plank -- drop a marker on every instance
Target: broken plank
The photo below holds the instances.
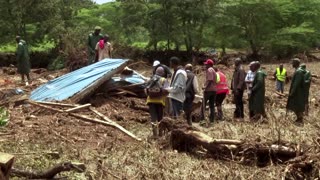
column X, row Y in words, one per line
column 6, row 162
column 112, row 124
column 44, row 106
column 78, row 107
column 57, row 104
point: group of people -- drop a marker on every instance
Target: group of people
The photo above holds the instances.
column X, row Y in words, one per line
column 177, row 90
column 99, row 46
column 181, row 91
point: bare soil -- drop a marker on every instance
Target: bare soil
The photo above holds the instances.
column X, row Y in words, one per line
column 108, row 154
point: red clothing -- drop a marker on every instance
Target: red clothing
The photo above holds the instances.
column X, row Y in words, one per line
column 210, row 80
column 222, row 86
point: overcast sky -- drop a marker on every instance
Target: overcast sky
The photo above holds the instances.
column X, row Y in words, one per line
column 103, row 1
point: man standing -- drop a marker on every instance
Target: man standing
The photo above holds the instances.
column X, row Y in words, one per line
column 103, row 48
column 222, row 91
column 23, row 58
column 209, row 89
column 177, row 87
column 296, row 99
column 191, row 90
column 280, row 75
column 237, row 86
column 167, row 70
column 307, row 82
column 256, row 100
column 93, row 39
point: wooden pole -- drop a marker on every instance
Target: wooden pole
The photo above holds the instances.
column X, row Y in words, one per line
column 108, row 123
column 78, row 108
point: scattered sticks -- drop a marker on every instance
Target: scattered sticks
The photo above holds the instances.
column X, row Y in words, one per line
column 106, row 121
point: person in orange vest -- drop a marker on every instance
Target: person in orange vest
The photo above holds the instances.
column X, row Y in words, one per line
column 222, row 90
column 281, row 76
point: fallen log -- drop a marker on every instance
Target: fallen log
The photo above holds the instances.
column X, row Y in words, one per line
column 6, row 162
column 50, row 173
column 188, row 139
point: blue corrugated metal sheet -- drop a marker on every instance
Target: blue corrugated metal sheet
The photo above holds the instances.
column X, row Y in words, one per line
column 70, row 84
column 135, row 78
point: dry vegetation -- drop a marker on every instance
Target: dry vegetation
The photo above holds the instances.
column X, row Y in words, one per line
column 33, row 133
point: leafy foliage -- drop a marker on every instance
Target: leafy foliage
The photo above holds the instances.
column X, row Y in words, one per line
column 4, row 116
column 280, row 27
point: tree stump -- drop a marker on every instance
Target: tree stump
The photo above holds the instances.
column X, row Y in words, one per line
column 6, row 162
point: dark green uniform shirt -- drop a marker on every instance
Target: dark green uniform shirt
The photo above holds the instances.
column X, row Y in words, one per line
column 23, row 62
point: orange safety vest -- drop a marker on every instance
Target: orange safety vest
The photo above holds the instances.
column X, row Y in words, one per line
column 222, row 86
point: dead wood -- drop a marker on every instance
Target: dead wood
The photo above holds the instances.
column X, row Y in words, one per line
column 50, row 173
column 88, row 119
column 112, row 124
column 186, row 139
column 78, row 108
column 6, row 162
column 57, row 104
column 116, row 125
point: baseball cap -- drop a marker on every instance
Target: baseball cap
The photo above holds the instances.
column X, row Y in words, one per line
column 209, row 62
column 97, row 28
column 156, row 63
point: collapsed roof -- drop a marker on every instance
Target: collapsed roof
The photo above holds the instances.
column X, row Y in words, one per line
column 79, row 84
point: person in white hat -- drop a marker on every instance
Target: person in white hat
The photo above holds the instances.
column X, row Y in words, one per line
column 167, row 70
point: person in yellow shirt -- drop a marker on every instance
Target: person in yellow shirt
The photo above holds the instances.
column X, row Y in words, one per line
column 156, row 103
column 281, row 76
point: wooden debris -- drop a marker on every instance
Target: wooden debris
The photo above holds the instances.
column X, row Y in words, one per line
column 57, row 104
column 110, row 123
column 88, row 119
column 50, row 173
column 78, row 108
column 188, row 139
column 6, row 162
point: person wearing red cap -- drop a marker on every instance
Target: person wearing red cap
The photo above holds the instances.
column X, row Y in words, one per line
column 209, row 89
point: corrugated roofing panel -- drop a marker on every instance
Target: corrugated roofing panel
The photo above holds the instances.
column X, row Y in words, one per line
column 78, row 82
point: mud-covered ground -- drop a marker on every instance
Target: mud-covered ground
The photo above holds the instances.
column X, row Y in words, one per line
column 33, row 134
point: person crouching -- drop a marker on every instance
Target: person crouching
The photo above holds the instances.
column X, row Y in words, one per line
column 156, row 98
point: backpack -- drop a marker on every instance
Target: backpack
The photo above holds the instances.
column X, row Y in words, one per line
column 190, row 93
column 154, row 87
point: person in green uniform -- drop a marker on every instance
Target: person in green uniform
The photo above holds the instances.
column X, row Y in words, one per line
column 93, row 39
column 256, row 99
column 23, row 58
column 296, row 99
column 307, row 83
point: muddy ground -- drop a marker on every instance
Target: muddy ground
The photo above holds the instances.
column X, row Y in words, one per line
column 33, row 133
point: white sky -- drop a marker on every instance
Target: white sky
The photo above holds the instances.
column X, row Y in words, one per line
column 103, row 1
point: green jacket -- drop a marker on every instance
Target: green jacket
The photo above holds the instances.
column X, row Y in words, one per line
column 297, row 93
column 23, row 58
column 256, row 100
column 307, row 81
column 92, row 42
